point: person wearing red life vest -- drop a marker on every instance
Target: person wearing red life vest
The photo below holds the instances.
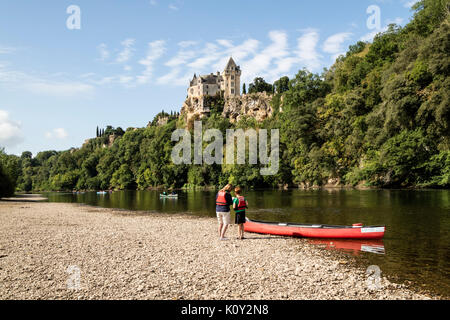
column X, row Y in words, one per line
column 223, row 202
column 239, row 206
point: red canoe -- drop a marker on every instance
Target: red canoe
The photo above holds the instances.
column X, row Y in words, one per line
column 356, row 231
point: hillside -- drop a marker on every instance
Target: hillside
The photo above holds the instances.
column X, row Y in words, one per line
column 380, row 116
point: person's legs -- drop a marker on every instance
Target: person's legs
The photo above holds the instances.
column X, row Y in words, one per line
column 220, row 229
column 220, row 220
column 241, row 230
column 226, row 223
column 224, row 229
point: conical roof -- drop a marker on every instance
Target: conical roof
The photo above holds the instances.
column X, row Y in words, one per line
column 230, row 64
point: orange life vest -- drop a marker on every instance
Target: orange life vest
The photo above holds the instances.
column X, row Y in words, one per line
column 221, row 201
column 241, row 205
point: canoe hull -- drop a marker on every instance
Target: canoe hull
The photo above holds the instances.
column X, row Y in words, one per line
column 315, row 231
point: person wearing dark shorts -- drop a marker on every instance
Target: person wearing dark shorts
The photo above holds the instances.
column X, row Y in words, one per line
column 223, row 202
column 239, row 206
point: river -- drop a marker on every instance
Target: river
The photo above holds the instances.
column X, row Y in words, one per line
column 415, row 249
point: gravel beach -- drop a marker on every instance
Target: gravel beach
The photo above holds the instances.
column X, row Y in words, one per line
column 70, row 251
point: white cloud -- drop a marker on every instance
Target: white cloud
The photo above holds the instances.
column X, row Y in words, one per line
column 104, row 53
column 409, row 3
column 10, row 131
column 6, row 50
column 173, row 7
column 333, row 44
column 87, row 75
column 125, row 79
column 225, row 43
column 270, row 62
column 181, row 58
column 104, row 80
column 209, row 54
column 127, row 51
column 58, row 133
column 185, row 44
column 173, row 78
column 59, row 88
column 153, row 2
column 47, row 85
column 238, row 52
column 156, row 50
column 307, row 52
column 260, row 64
column 212, row 57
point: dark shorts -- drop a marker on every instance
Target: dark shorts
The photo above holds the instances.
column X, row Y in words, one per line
column 240, row 217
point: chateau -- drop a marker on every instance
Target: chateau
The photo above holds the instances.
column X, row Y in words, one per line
column 257, row 105
column 209, row 85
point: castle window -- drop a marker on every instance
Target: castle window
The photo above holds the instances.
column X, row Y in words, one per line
column 232, row 83
column 232, row 91
column 232, row 77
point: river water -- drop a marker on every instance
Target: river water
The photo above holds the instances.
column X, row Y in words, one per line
column 415, row 249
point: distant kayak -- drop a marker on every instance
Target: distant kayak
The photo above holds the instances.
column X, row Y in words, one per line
column 174, row 196
column 356, row 231
column 102, row 192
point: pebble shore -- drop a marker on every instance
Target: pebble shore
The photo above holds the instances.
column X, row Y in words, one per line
column 71, row 251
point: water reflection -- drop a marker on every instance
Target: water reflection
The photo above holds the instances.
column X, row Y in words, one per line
column 351, row 246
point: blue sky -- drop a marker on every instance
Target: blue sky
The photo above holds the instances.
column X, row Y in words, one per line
column 131, row 59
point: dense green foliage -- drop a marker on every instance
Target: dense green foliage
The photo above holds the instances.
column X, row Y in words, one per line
column 259, row 85
column 9, row 173
column 380, row 116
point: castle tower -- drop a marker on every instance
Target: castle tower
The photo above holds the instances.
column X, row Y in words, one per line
column 231, row 79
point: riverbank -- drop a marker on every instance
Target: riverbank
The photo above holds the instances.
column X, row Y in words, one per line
column 127, row 255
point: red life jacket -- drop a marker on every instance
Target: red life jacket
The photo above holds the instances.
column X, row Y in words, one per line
column 241, row 205
column 221, row 201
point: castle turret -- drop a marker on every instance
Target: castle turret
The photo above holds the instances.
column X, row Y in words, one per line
column 231, row 79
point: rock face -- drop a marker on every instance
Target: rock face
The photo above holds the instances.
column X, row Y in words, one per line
column 256, row 105
column 194, row 108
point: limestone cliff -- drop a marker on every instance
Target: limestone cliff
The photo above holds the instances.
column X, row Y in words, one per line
column 256, row 105
column 193, row 108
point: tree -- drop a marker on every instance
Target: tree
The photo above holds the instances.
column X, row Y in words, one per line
column 259, row 85
column 8, row 174
column 244, row 89
column 281, row 85
column 379, row 116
